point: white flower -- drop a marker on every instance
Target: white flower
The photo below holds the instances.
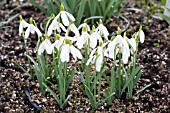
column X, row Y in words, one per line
column 98, row 62
column 118, row 43
column 23, row 24
column 45, row 45
column 58, row 43
column 31, row 28
column 66, row 49
column 65, row 17
column 55, row 25
column 103, row 31
column 74, row 29
column 94, row 38
column 141, row 36
column 132, row 43
column 84, row 25
column 82, row 40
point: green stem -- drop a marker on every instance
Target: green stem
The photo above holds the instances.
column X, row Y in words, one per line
column 119, row 77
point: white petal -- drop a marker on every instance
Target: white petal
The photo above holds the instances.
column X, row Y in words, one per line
column 81, row 25
column 37, row 31
column 27, row 32
column 75, row 52
column 64, row 18
column 71, row 17
column 142, row 36
column 56, row 18
column 62, row 27
column 57, row 44
column 91, row 56
column 93, row 40
column 50, row 29
column 20, row 28
column 48, row 46
column 80, row 42
column 74, row 29
column 132, row 42
column 41, row 48
column 64, row 55
column 99, row 62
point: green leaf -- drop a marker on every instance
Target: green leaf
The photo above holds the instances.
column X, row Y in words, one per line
column 80, row 12
column 137, row 70
column 66, row 100
column 167, row 18
column 91, row 97
column 142, row 89
column 52, row 93
column 38, row 6
column 70, row 79
column 25, row 71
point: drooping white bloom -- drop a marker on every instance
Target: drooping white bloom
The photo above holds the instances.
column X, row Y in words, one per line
column 74, row 29
column 94, row 38
column 119, row 43
column 58, row 43
column 132, row 43
column 31, row 28
column 23, row 24
column 84, row 25
column 55, row 25
column 65, row 17
column 45, row 45
column 141, row 36
column 66, row 49
column 103, row 31
column 97, row 59
column 82, row 39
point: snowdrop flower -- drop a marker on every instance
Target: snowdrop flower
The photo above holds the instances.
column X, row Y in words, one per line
column 94, row 38
column 84, row 25
column 58, row 42
column 118, row 43
column 23, row 24
column 31, row 28
column 45, row 45
column 74, row 29
column 132, row 43
column 65, row 16
column 141, row 36
column 55, row 25
column 82, row 39
column 99, row 55
column 68, row 48
column 102, row 30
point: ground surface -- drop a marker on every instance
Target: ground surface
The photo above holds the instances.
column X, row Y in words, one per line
column 154, row 55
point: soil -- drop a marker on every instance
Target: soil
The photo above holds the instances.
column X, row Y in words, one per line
column 153, row 55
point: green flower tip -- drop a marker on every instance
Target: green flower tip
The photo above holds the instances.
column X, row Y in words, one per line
column 133, row 36
column 118, row 31
column 67, row 41
column 31, row 20
column 20, row 18
column 42, row 39
column 140, row 28
column 100, row 21
column 85, row 21
column 61, row 7
column 52, row 15
column 100, row 43
column 124, row 34
column 57, row 36
column 84, row 29
column 93, row 28
column 71, row 22
column 112, row 38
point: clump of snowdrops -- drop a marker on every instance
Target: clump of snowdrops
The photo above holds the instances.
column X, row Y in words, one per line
column 90, row 50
